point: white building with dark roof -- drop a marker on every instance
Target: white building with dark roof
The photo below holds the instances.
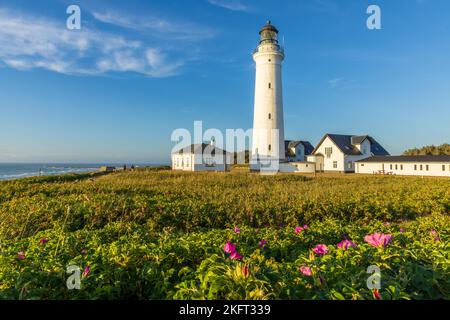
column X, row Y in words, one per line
column 202, row 157
column 297, row 150
column 406, row 165
column 338, row 153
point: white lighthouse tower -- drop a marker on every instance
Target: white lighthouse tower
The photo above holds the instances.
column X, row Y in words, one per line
column 268, row 121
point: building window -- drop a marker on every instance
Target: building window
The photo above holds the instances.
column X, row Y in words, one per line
column 329, row 151
column 415, row 167
column 270, row 116
column 270, row 147
column 421, row 167
column 335, row 164
column 391, row 166
column 443, row 167
column 270, row 85
column 362, row 164
column 401, row 167
column 350, row 165
column 270, row 60
column 428, row 167
column 396, row 167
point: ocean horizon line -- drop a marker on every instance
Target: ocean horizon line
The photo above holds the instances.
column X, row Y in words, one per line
column 13, row 171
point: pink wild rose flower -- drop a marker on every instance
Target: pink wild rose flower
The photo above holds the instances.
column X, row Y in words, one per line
column 86, row 271
column 237, row 230
column 20, row 255
column 306, row 271
column 235, row 256
column 262, row 243
column 298, row 229
column 345, row 244
column 320, row 249
column 229, row 247
column 378, row 239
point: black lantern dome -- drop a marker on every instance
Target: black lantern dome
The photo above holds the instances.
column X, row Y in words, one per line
column 269, row 34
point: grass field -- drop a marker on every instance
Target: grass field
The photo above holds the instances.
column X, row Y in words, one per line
column 152, row 234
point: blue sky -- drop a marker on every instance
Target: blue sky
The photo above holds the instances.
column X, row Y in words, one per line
column 116, row 89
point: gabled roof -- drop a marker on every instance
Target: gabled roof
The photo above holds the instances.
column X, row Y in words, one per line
column 376, row 148
column 427, row 158
column 358, row 139
column 288, row 144
column 347, row 144
column 200, row 149
column 309, row 148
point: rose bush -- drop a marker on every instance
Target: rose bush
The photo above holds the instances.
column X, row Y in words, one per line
column 169, row 235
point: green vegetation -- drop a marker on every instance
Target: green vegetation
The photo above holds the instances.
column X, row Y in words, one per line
column 149, row 234
column 443, row 149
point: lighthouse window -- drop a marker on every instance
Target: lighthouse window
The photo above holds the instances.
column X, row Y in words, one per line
column 270, row 116
column 270, row 85
column 270, row 147
column 270, row 60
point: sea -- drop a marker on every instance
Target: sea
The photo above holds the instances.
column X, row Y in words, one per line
column 9, row 171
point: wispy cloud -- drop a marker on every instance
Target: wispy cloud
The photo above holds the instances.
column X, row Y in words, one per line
column 340, row 83
column 158, row 27
column 334, row 82
column 233, row 5
column 28, row 42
